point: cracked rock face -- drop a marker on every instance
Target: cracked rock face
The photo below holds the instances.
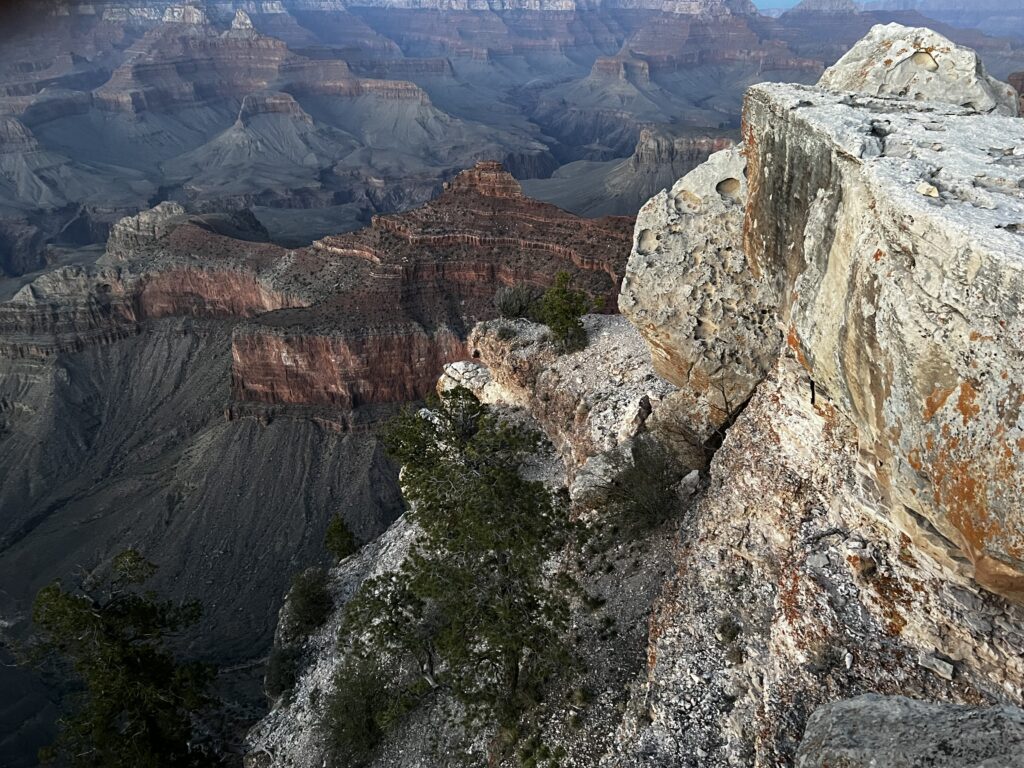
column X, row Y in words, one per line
column 894, row 234
column 588, row 402
column 883, row 239
column 893, row 732
column 920, row 65
column 689, row 289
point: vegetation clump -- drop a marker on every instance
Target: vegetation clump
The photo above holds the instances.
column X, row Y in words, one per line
column 562, row 309
column 518, row 301
column 338, row 540
column 472, row 609
column 309, row 601
column 282, row 671
column 642, row 494
column 137, row 704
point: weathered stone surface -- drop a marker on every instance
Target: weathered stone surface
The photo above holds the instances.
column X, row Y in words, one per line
column 920, row 65
column 588, row 402
column 903, row 306
column 708, row 319
column 789, row 593
column 896, row 732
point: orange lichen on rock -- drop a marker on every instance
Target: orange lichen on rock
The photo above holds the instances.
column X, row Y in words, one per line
column 967, row 404
column 936, row 400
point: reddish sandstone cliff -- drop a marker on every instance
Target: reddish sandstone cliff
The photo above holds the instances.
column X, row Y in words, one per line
column 405, row 290
column 354, row 320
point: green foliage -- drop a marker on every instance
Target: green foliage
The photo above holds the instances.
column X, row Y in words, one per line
column 561, row 310
column 518, row 301
column 138, row 702
column 309, row 601
column 361, row 706
column 471, row 606
column 351, row 715
column 282, row 668
column 339, row 540
column 642, row 494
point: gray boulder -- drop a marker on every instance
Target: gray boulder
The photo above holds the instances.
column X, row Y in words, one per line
column 874, row 731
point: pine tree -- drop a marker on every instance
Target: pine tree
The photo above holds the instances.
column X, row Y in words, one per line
column 138, row 703
column 472, row 606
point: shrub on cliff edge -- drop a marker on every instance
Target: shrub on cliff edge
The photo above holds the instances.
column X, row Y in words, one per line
column 561, row 310
column 339, row 540
column 309, row 601
column 518, row 301
column 472, row 609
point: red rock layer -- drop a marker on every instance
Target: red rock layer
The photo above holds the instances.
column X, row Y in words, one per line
column 386, row 365
column 1017, row 81
column 353, row 321
column 206, row 293
column 409, row 287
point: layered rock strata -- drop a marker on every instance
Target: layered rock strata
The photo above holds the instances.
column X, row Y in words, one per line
column 360, row 319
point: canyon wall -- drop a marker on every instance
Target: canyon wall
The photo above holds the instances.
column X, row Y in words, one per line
column 841, row 294
column 209, row 397
column 832, row 309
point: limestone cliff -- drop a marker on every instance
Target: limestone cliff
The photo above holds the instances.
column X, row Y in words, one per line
column 863, row 522
column 831, row 313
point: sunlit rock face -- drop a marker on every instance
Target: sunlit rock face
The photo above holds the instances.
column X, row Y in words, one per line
column 897, row 268
column 879, row 241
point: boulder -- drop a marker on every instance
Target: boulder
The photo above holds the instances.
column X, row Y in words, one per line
column 892, row 231
column 708, row 320
column 873, row 731
column 921, row 65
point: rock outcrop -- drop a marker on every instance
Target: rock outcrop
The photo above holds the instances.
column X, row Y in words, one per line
column 920, row 65
column 868, row 229
column 711, row 332
column 920, row 248
column 588, row 403
column 893, row 732
column 863, row 524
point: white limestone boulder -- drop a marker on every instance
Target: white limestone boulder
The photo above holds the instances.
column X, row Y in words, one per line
column 921, row 65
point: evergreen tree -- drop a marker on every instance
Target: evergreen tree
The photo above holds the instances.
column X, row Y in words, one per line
column 138, row 703
column 338, row 539
column 472, row 605
column 561, row 310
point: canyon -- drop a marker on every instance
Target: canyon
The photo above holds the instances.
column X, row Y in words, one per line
column 235, row 237
column 319, row 115
column 821, row 324
column 208, row 396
